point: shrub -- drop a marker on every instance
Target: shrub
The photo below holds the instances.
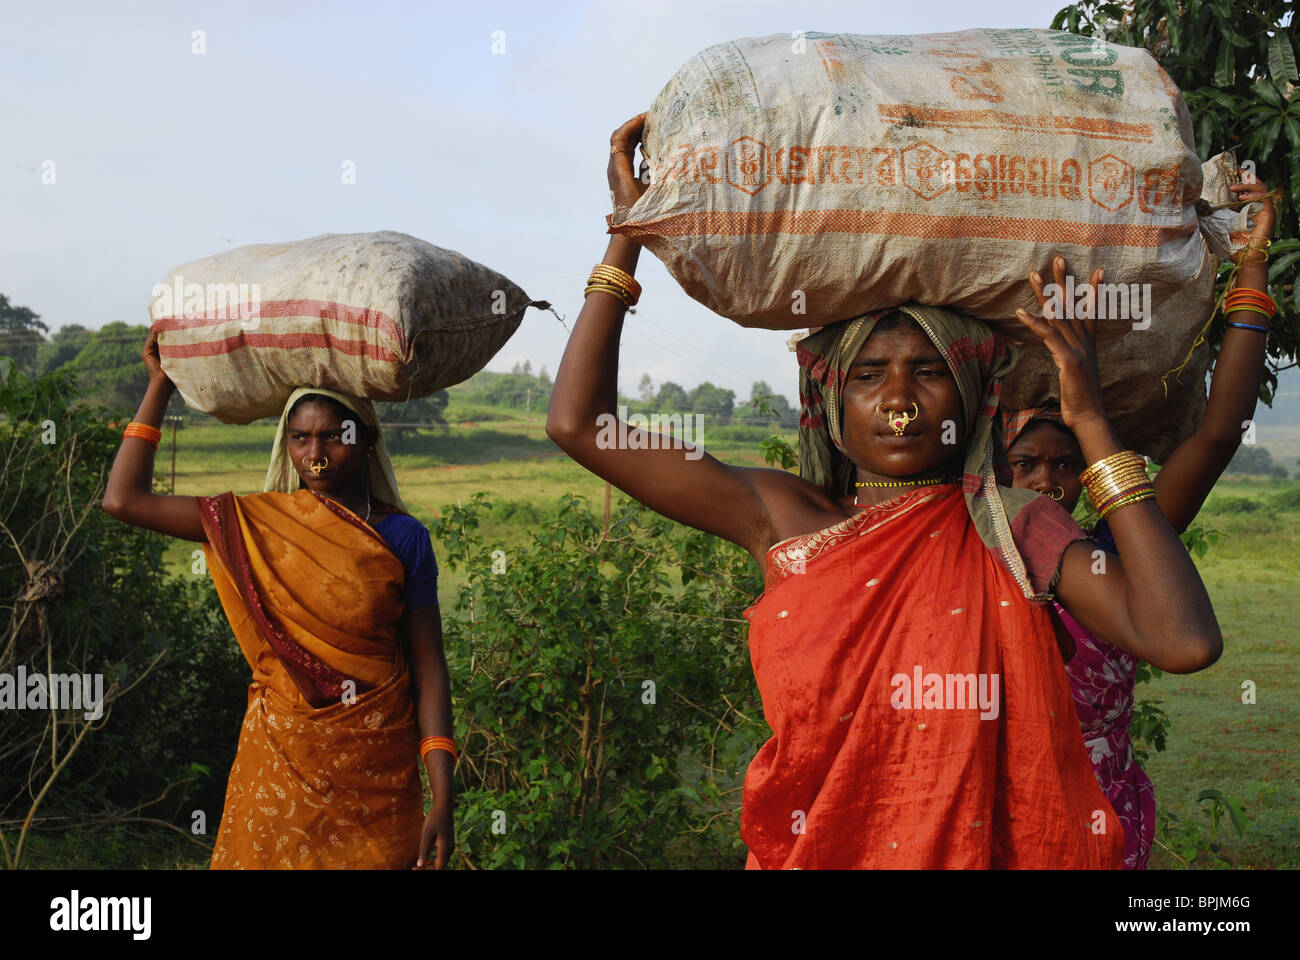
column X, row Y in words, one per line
column 602, row 688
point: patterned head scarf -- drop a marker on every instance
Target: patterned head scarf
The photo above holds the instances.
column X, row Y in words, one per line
column 978, row 359
column 1015, row 422
column 283, row 477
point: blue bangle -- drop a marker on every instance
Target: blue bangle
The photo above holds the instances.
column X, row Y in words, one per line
column 1247, row 326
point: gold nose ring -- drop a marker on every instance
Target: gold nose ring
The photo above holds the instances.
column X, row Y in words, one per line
column 900, row 420
column 314, row 466
column 1055, row 496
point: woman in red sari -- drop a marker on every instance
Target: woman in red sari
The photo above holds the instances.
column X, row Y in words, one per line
column 329, row 587
column 908, row 667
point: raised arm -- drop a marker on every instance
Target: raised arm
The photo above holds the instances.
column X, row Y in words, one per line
column 1189, row 475
column 129, row 496
column 687, row 485
column 1153, row 603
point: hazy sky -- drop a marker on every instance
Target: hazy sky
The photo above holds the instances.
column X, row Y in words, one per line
column 163, row 156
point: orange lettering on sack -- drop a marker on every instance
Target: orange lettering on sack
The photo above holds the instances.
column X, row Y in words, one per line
column 799, row 166
column 975, row 82
column 1016, row 175
column 885, row 170
column 962, row 172
column 826, row 164
column 986, row 175
column 847, row 164
column 1159, row 187
column 687, row 164
column 707, row 159
column 1071, row 178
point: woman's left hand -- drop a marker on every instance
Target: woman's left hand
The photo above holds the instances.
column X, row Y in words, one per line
column 1258, row 192
column 439, row 833
column 1071, row 339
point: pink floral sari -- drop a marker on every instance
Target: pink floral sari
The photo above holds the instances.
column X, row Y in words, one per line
column 1101, row 682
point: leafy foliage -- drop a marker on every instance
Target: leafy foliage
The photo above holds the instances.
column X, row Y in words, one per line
column 603, row 693
column 1236, row 66
column 84, row 593
column 1193, row 844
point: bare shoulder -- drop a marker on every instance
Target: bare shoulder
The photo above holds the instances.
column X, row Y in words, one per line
column 794, row 507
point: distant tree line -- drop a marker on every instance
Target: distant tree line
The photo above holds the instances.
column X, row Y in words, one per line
column 1255, row 460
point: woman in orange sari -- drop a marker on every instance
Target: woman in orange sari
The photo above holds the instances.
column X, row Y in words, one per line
column 908, row 666
column 329, row 586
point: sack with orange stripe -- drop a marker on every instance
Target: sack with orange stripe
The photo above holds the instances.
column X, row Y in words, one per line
column 796, row 180
column 383, row 316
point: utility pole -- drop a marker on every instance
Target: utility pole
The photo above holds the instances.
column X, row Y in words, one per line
column 174, row 421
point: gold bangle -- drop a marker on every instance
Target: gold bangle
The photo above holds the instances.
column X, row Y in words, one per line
column 1111, row 508
column 1110, row 462
column 1102, row 502
column 1099, row 488
column 1135, row 498
column 624, row 293
column 617, row 273
column 605, row 285
column 1110, row 480
column 613, row 271
column 606, row 288
column 612, row 281
column 1114, row 461
column 1123, row 490
column 605, row 273
column 1122, row 473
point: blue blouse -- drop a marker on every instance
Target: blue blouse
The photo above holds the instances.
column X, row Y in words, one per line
column 409, row 539
column 1104, row 538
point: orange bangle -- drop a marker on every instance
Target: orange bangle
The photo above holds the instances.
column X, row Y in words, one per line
column 1253, row 296
column 429, row 744
column 1249, row 293
column 143, row 431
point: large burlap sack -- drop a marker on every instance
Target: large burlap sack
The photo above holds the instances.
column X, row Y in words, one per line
column 378, row 315
column 799, row 181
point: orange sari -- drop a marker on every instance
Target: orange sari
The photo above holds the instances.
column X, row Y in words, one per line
column 871, row 765
column 325, row 774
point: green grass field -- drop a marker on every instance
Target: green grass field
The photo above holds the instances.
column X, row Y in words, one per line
column 1215, row 742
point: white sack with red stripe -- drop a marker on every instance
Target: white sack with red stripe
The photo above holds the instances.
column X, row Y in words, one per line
column 800, row 180
column 383, row 316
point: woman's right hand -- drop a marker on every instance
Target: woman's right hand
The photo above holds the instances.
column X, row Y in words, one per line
column 153, row 362
column 624, row 185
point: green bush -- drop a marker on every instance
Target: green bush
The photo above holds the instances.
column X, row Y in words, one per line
column 88, row 594
column 602, row 688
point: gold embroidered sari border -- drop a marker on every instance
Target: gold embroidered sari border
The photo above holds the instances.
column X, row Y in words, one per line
column 792, row 554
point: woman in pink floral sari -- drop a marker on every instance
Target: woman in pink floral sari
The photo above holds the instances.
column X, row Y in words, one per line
column 1045, row 456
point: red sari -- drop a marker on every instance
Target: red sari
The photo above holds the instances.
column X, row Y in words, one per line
column 867, row 768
